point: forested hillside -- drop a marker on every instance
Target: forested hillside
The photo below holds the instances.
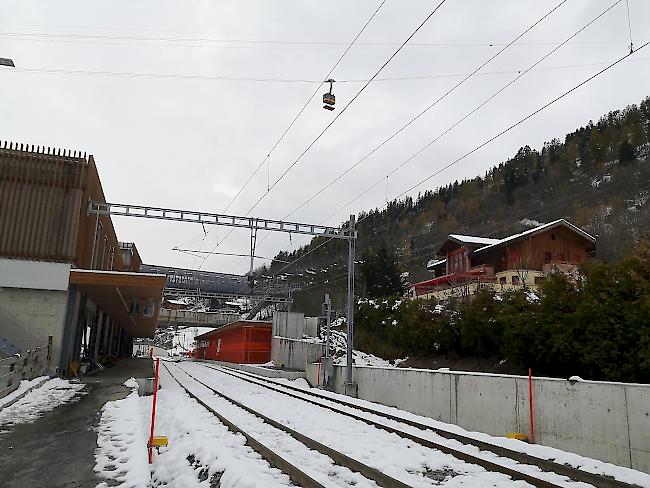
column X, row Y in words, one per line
column 598, row 177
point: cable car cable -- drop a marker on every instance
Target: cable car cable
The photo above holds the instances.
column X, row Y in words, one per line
column 492, row 139
column 420, row 114
column 302, row 109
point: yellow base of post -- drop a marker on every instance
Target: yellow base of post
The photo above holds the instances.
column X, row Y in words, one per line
column 159, row 441
column 517, row 435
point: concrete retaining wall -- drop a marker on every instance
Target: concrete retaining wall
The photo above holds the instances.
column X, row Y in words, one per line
column 606, row 421
column 262, row 371
column 295, row 354
column 29, row 317
column 289, row 324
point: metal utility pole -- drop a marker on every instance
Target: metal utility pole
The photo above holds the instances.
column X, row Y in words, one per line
column 351, row 251
column 328, row 315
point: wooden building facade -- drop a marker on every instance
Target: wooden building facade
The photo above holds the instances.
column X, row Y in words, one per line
column 242, row 342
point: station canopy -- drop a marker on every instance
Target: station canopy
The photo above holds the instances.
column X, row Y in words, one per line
column 116, row 293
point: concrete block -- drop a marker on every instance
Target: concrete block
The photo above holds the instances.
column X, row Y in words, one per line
column 638, row 413
column 146, row 386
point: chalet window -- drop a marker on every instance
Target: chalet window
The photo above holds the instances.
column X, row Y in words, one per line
column 560, row 256
column 548, row 257
column 552, row 237
column 539, row 280
column 515, row 280
column 578, row 258
column 502, row 280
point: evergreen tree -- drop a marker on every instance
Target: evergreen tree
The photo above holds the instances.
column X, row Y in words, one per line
column 381, row 273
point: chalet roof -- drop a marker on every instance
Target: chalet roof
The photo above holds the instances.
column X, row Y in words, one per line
column 538, row 230
column 435, row 262
column 455, row 240
column 484, row 241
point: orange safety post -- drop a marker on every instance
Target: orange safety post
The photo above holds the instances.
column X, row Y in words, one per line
column 530, row 401
column 153, row 411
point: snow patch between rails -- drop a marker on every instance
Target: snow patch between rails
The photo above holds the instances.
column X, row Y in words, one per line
column 121, row 454
column 34, row 404
column 202, row 452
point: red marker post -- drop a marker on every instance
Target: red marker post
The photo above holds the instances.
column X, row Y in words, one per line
column 153, row 411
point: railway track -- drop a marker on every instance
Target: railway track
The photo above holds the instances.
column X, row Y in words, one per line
column 297, row 475
column 352, row 410
column 368, row 472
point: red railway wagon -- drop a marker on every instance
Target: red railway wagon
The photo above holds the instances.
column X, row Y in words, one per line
column 243, row 341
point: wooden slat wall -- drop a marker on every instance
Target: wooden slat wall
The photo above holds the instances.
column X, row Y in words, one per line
column 43, row 198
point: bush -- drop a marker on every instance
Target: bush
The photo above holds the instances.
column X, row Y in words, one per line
column 598, row 328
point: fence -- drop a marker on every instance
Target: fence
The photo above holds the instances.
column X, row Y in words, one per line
column 25, row 366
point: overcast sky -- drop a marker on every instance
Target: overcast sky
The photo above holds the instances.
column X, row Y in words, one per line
column 191, row 142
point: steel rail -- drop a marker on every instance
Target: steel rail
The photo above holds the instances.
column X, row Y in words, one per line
column 275, row 460
column 463, row 456
column 339, row 458
column 523, row 458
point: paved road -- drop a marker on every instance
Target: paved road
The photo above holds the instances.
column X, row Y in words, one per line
column 57, row 450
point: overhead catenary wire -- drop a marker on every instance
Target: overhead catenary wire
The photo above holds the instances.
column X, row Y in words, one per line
column 487, row 141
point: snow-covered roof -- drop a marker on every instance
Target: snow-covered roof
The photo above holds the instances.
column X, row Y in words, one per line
column 473, row 239
column 435, row 262
column 537, row 230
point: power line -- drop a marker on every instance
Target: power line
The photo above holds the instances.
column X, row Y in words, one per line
column 327, row 76
column 488, row 141
column 521, row 121
column 419, row 115
column 361, row 90
column 292, row 165
column 261, row 79
column 423, row 251
column 478, row 107
column 302, row 109
column 256, row 43
column 428, row 108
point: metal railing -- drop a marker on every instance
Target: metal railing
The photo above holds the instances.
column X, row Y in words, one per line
column 26, row 366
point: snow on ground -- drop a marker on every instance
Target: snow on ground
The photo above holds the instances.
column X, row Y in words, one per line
column 121, row 454
column 313, row 463
column 544, row 452
column 22, row 388
column 202, row 452
column 400, row 458
column 183, row 339
column 339, row 340
column 32, row 406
